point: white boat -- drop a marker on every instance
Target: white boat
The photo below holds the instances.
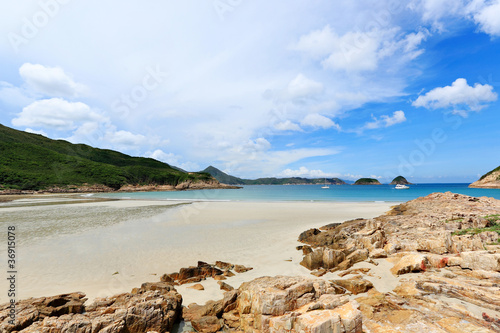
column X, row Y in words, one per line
column 401, row 187
column 325, row 186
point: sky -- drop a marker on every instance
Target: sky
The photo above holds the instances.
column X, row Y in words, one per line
column 316, row 88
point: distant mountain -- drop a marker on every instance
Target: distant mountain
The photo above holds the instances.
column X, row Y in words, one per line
column 33, row 162
column 400, row 180
column 367, row 181
column 231, row 180
column 488, row 180
column 224, row 177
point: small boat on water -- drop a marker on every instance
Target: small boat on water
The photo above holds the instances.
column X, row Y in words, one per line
column 401, row 187
column 325, row 186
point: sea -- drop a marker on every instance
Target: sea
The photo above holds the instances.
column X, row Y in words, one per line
column 342, row 193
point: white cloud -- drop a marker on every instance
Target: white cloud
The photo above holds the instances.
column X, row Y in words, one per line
column 435, row 11
column 29, row 130
column 440, row 13
column 358, row 51
column 385, row 121
column 304, row 173
column 318, row 121
column 173, row 160
column 459, row 96
column 125, row 139
column 301, row 87
column 287, row 126
column 318, row 43
column 487, row 15
column 13, row 95
column 50, row 81
column 56, row 113
column 297, row 90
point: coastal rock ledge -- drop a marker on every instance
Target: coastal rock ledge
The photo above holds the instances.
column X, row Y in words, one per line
column 154, row 307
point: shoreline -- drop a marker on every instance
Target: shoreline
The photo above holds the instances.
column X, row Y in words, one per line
column 261, row 235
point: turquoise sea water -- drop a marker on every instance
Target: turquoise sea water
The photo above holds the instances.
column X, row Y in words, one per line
column 346, row 193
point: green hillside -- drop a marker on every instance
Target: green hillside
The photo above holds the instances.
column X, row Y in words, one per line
column 32, row 162
column 231, row 180
column 367, row 181
column 489, row 173
column 400, row 180
column 224, row 177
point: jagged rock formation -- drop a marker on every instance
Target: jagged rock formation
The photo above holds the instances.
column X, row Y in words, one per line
column 153, row 307
column 279, row 304
column 450, row 243
column 489, row 180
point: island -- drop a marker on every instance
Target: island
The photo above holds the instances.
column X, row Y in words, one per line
column 400, row 180
column 367, row 181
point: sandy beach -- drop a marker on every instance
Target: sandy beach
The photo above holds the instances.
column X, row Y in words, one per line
column 103, row 248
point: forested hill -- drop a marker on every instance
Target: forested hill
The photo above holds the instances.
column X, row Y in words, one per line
column 32, row 162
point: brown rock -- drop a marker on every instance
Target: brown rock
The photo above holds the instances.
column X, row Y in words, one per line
column 410, row 263
column 224, row 286
column 153, row 307
column 224, row 265
column 241, row 268
column 197, row 287
column 483, row 260
column 355, row 285
column 208, row 324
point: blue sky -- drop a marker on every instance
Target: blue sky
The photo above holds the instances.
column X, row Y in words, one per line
column 263, row 88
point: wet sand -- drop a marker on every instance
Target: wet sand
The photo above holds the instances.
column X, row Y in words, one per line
column 107, row 247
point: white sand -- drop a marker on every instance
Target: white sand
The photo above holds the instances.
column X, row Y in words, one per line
column 79, row 247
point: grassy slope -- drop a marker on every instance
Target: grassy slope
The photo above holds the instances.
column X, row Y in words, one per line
column 31, row 161
column 489, row 173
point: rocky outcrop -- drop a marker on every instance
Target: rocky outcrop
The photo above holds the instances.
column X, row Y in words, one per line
column 153, row 307
column 444, row 251
column 489, row 180
column 279, row 304
column 202, row 271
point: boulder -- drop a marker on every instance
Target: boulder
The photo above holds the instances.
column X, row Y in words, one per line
column 482, row 260
column 410, row 263
column 153, row 307
column 354, row 285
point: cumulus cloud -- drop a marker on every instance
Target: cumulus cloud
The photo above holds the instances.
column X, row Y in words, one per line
column 56, row 113
column 50, row 81
column 486, row 14
column 304, row 173
column 125, row 138
column 460, row 96
column 298, row 89
column 287, row 126
column 438, row 13
column 172, row 159
column 385, row 121
column 29, row 130
column 318, row 121
column 357, row 51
